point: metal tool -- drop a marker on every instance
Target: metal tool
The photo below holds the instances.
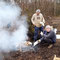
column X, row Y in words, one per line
column 37, row 42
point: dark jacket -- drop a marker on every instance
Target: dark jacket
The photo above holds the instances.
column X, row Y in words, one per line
column 50, row 35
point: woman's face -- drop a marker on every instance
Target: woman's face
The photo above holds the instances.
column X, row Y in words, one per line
column 48, row 29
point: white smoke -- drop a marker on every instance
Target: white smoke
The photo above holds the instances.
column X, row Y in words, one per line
column 11, row 14
column 8, row 13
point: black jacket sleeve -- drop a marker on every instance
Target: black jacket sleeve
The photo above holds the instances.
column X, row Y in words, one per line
column 50, row 35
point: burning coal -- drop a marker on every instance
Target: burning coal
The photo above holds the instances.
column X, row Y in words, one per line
column 13, row 27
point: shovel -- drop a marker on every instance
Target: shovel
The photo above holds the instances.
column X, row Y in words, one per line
column 37, row 42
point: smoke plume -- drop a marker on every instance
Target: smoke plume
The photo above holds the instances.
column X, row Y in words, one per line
column 13, row 27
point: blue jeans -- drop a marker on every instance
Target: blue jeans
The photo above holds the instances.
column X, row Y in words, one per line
column 36, row 33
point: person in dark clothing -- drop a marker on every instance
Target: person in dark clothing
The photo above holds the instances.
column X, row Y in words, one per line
column 49, row 36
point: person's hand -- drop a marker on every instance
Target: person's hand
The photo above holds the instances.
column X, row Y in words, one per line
column 41, row 33
column 42, row 23
column 34, row 24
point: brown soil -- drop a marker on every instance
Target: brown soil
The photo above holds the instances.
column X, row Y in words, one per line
column 42, row 53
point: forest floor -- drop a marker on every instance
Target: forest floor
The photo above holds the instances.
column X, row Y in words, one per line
column 42, row 52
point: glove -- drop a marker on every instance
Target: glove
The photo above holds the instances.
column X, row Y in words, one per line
column 42, row 23
column 41, row 33
column 33, row 23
